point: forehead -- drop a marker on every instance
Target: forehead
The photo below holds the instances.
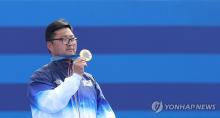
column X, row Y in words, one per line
column 63, row 32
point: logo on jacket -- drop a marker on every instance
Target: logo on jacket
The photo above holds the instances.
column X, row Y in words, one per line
column 87, row 83
column 58, row 82
column 157, row 106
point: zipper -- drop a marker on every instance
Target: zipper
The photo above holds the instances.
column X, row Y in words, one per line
column 70, row 72
column 77, row 105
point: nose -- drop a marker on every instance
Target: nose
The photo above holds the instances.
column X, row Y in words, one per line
column 71, row 43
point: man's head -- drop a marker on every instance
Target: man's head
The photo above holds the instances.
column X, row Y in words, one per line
column 60, row 38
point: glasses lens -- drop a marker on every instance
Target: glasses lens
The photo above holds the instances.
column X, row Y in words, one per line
column 69, row 40
column 65, row 40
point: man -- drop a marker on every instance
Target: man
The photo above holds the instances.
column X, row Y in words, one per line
column 61, row 89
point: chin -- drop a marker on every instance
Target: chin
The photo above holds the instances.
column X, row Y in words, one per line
column 70, row 53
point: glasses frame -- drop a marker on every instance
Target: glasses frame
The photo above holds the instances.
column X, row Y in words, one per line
column 66, row 40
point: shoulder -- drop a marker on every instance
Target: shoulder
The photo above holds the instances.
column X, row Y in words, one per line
column 42, row 74
column 89, row 76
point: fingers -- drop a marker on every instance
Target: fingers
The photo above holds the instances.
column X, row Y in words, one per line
column 78, row 66
column 80, row 61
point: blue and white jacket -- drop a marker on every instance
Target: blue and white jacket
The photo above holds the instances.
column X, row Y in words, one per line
column 54, row 92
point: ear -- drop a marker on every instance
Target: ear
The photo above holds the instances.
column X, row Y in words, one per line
column 50, row 46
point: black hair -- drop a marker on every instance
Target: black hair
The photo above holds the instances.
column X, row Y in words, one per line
column 55, row 25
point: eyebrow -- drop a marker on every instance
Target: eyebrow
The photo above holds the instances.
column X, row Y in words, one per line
column 66, row 36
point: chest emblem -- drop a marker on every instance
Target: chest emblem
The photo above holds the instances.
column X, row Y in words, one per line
column 87, row 83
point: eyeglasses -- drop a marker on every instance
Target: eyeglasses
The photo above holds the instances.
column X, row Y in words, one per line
column 66, row 40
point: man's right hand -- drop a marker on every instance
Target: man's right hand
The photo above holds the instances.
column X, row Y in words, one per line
column 78, row 66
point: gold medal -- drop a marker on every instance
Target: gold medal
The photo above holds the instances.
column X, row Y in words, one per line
column 85, row 54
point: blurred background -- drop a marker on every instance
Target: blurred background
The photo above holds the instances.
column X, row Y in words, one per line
column 144, row 51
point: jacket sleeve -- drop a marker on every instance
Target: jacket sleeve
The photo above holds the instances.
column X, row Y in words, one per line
column 49, row 99
column 104, row 110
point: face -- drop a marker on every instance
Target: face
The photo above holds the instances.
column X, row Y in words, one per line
column 57, row 47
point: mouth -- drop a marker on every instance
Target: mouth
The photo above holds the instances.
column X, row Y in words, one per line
column 70, row 50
